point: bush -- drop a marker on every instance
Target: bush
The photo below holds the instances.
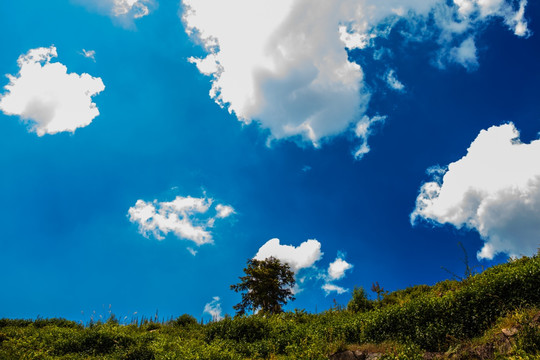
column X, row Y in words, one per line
column 57, row 322
column 98, row 340
column 184, row 321
column 464, row 313
column 415, row 319
column 241, row 328
column 15, row 322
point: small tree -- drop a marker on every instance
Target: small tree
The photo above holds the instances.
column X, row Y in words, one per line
column 267, row 286
column 359, row 301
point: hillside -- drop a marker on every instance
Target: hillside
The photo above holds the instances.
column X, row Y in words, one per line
column 492, row 315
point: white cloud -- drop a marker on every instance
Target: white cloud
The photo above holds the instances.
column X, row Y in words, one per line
column 354, row 40
column 516, row 20
column 185, row 217
column 48, row 97
column 363, row 130
column 329, row 288
column 123, row 11
column 272, row 62
column 303, row 256
column 213, row 308
column 468, row 14
column 133, row 8
column 336, row 269
column 475, row 10
column 91, row 54
column 284, row 64
column 224, row 211
column 465, row 54
column 494, row 189
column 393, row 81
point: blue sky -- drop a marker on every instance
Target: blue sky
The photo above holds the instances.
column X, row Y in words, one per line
column 331, row 130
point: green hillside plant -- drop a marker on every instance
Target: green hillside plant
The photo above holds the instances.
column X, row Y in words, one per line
column 491, row 315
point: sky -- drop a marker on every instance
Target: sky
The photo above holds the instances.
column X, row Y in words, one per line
column 149, row 148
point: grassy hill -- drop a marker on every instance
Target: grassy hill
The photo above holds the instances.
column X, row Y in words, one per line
column 492, row 315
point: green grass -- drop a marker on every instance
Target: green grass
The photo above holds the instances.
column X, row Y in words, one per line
column 452, row 317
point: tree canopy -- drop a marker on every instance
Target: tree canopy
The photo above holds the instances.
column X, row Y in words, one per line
column 266, row 287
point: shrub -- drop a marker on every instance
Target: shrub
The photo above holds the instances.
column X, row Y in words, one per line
column 415, row 319
column 98, row 340
column 184, row 321
column 241, row 328
column 14, row 322
column 57, row 322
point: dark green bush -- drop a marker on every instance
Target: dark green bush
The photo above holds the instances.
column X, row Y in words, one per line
column 94, row 341
column 15, row 322
column 185, row 320
column 152, row 325
column 57, row 322
column 140, row 352
column 241, row 328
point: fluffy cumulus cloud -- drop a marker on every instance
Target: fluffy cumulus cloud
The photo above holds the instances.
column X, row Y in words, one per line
column 336, row 271
column 133, row 8
column 224, row 211
column 304, row 256
column 289, row 70
column 49, row 98
column 284, row 63
column 125, row 11
column 187, row 218
column 300, row 257
column 494, row 189
column 472, row 11
column 213, row 308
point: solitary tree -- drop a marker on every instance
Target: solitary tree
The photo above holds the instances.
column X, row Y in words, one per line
column 266, row 287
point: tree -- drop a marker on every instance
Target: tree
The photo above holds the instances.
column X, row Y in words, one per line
column 266, row 287
column 359, row 301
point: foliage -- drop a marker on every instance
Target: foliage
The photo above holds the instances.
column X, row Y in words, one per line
column 359, row 301
column 401, row 297
column 457, row 319
column 184, row 320
column 379, row 290
column 266, row 287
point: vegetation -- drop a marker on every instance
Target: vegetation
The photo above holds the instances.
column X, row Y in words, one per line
column 266, row 287
column 491, row 315
column 360, row 301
